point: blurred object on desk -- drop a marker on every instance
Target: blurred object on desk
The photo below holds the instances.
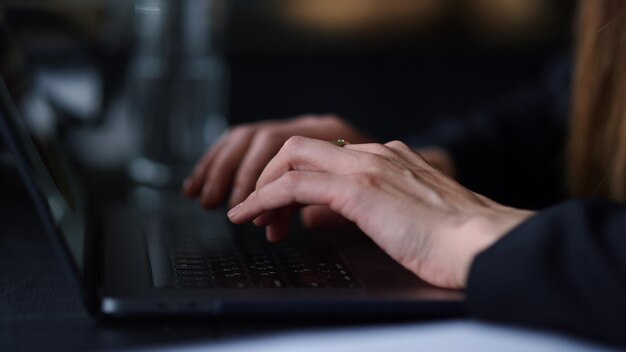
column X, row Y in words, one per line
column 177, row 86
column 354, row 17
column 69, row 42
column 139, row 83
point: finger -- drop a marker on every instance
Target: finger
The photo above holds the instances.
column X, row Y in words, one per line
column 321, row 217
column 278, row 229
column 264, row 146
column 348, row 195
column 265, row 218
column 315, row 217
column 307, row 154
column 294, row 187
column 326, row 127
column 193, row 184
column 407, row 153
column 268, row 141
column 223, row 167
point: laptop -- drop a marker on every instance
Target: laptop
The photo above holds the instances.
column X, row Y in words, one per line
column 158, row 254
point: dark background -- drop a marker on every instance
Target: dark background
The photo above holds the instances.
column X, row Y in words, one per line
column 386, row 80
column 387, row 85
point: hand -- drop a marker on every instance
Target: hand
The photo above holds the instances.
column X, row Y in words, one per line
column 422, row 218
column 237, row 159
column 440, row 159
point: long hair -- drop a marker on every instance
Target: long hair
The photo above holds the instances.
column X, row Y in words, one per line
column 597, row 137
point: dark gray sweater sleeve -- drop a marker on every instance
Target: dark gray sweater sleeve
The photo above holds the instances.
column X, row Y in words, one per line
column 564, row 269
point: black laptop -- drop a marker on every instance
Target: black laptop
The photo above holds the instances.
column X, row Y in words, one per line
column 160, row 254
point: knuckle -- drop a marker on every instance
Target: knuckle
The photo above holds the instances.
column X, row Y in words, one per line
column 331, row 118
column 268, row 135
column 309, row 119
column 421, row 161
column 397, row 144
column 323, row 118
column 381, row 149
column 294, row 142
column 378, row 152
column 241, row 130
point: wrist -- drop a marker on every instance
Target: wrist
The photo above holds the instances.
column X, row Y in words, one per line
column 481, row 232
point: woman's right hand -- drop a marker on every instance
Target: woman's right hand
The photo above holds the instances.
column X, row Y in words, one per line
column 421, row 217
column 231, row 167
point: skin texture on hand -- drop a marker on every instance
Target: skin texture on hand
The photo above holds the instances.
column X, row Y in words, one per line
column 231, row 167
column 440, row 159
column 421, row 217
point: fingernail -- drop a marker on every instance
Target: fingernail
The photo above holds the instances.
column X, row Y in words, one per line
column 187, row 183
column 234, row 211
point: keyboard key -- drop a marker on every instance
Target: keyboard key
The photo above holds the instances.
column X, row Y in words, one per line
column 264, row 274
column 204, row 258
column 261, row 267
column 192, row 273
column 268, row 281
column 189, row 260
column 185, row 266
column 227, row 269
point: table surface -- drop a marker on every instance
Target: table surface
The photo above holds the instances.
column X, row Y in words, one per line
column 40, row 309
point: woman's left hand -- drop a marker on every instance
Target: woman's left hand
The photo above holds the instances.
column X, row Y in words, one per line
column 422, row 218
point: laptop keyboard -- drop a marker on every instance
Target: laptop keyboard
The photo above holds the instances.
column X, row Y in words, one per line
column 246, row 260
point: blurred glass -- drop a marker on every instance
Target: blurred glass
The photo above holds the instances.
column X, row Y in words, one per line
column 178, row 84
